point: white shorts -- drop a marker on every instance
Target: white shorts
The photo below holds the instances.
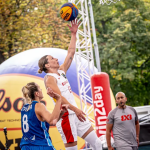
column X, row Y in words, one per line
column 70, row 127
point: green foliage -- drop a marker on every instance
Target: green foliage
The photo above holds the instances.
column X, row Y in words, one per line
column 27, row 24
column 123, row 33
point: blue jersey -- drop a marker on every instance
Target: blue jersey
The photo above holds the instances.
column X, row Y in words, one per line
column 35, row 132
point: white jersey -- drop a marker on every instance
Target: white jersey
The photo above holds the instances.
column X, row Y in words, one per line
column 64, row 88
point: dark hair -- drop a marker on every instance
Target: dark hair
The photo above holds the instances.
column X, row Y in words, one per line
column 42, row 63
column 28, row 92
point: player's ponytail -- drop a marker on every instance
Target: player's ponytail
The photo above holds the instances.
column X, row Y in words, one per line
column 42, row 63
column 28, row 93
column 25, row 92
column 40, row 71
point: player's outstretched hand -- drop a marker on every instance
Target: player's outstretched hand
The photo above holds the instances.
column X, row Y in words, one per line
column 74, row 26
column 53, row 94
column 80, row 114
column 64, row 107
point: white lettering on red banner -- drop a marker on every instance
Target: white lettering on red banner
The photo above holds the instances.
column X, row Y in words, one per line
column 99, row 111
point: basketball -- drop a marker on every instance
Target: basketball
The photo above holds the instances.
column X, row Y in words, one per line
column 68, row 11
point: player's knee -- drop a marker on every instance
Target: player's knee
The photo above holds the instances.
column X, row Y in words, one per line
column 97, row 145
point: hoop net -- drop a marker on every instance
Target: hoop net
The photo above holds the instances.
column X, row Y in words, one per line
column 108, row 2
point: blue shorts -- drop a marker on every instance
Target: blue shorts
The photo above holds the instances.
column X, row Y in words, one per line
column 31, row 147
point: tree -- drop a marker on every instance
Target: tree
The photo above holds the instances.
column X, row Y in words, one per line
column 123, row 33
column 30, row 24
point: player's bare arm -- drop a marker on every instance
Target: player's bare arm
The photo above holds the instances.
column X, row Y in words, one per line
column 72, row 47
column 51, row 82
column 42, row 112
column 108, row 135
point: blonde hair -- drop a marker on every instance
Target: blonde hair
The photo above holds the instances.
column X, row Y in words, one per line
column 42, row 63
column 28, row 93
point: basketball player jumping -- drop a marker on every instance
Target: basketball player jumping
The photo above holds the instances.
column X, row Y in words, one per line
column 73, row 122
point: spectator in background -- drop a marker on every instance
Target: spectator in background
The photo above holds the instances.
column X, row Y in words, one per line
column 123, row 121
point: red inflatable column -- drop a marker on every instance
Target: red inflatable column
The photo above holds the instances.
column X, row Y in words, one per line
column 101, row 100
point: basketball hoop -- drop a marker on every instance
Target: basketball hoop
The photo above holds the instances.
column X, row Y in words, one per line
column 108, row 2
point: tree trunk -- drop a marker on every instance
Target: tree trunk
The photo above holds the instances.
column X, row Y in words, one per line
column 2, row 58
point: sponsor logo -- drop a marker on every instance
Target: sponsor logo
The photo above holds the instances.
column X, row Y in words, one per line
column 61, row 12
column 65, row 82
column 99, row 111
column 64, row 75
column 15, row 143
column 66, row 16
column 126, row 117
column 7, row 104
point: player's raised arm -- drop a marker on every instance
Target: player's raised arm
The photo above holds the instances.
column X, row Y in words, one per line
column 72, row 46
